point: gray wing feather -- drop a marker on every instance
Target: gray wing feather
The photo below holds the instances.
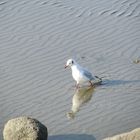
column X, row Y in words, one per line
column 88, row 74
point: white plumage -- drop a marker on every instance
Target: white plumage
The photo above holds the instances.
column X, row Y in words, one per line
column 80, row 74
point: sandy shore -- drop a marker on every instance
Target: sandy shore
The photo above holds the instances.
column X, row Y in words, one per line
column 36, row 39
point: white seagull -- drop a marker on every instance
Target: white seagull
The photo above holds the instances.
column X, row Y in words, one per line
column 80, row 74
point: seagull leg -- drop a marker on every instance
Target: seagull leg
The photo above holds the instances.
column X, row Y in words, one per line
column 91, row 84
column 77, row 85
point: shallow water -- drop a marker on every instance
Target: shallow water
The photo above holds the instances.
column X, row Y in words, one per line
column 36, row 39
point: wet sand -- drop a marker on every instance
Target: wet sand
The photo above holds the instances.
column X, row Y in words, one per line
column 36, row 39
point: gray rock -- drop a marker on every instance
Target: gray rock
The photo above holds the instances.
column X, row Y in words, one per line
column 24, row 128
column 132, row 135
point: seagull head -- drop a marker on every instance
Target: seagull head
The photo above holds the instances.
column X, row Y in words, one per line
column 70, row 62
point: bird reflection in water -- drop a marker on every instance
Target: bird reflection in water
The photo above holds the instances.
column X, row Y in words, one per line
column 81, row 96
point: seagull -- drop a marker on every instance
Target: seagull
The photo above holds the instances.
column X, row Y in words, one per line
column 80, row 74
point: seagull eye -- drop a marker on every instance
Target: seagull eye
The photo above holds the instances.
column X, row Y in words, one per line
column 72, row 62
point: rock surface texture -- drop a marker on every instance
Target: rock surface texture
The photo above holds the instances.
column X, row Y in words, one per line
column 24, row 128
column 132, row 135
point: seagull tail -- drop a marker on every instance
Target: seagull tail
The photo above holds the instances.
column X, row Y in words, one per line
column 99, row 78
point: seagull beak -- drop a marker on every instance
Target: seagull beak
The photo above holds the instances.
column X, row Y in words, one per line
column 66, row 66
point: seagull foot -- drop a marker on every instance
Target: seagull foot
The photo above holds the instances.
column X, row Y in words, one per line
column 77, row 86
column 91, row 84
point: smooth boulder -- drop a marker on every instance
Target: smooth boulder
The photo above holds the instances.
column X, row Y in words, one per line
column 24, row 128
column 132, row 135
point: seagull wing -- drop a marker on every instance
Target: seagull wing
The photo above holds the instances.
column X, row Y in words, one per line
column 88, row 74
